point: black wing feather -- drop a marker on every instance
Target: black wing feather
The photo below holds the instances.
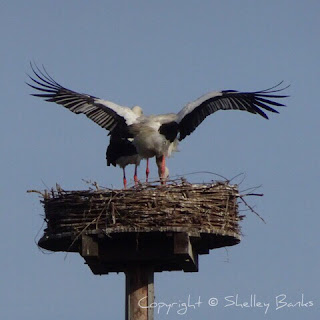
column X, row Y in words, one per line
column 193, row 114
column 76, row 102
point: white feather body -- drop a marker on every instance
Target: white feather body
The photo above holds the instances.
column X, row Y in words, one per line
column 148, row 141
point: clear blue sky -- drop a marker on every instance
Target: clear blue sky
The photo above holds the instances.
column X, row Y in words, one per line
column 161, row 55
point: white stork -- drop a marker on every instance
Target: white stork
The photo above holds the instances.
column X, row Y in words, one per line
column 155, row 135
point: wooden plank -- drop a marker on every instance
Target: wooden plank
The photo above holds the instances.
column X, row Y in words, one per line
column 183, row 246
column 89, row 247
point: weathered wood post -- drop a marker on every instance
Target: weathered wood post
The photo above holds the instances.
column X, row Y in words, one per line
column 142, row 230
column 139, row 292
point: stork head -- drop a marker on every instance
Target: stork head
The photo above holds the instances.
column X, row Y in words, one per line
column 137, row 110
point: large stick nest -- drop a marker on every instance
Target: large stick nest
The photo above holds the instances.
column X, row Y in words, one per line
column 177, row 206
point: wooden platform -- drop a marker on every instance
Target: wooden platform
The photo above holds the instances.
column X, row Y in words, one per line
column 164, row 229
column 114, row 251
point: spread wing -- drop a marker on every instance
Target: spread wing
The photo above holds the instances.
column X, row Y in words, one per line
column 106, row 114
column 195, row 112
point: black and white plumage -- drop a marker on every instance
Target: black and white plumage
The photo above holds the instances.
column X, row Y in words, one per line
column 155, row 135
column 122, row 152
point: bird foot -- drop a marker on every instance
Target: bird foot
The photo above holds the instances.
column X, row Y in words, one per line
column 136, row 181
column 163, row 181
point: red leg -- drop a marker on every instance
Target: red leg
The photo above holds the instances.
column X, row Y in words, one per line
column 135, row 177
column 147, row 170
column 163, row 170
column 124, row 179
